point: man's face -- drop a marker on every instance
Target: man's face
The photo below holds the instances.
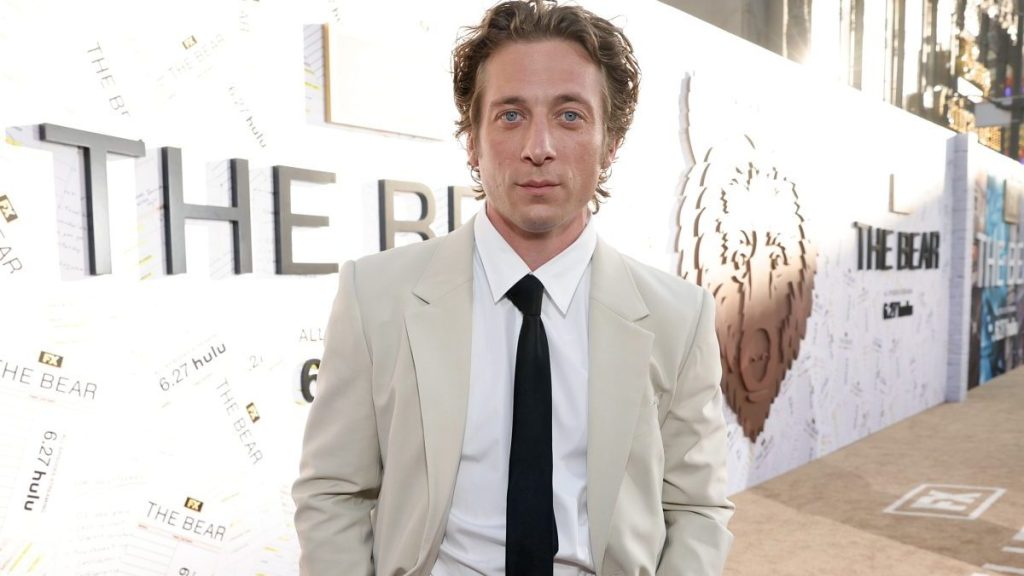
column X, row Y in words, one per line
column 539, row 142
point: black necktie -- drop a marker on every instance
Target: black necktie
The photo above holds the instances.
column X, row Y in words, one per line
column 531, row 537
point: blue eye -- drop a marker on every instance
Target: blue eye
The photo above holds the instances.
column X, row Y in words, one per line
column 570, row 116
column 510, row 116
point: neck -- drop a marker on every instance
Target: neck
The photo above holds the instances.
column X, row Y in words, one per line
column 537, row 248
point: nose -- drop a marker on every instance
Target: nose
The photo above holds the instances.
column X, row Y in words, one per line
column 539, row 148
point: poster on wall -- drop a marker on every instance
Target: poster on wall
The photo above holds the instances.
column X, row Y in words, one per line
column 997, row 265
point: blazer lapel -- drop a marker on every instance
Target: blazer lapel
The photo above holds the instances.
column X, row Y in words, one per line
column 440, row 338
column 620, row 354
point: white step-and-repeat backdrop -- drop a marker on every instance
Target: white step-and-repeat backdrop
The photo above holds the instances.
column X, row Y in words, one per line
column 151, row 423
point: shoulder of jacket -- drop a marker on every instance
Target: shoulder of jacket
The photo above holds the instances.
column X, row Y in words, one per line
column 402, row 260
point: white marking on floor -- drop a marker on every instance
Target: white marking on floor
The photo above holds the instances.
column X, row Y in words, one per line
column 905, row 497
column 1013, row 549
column 945, row 504
column 1003, row 569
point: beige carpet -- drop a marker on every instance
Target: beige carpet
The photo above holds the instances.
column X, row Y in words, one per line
column 827, row 517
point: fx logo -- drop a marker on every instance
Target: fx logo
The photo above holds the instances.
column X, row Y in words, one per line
column 193, row 504
column 7, row 209
column 946, row 501
column 51, row 359
column 253, row 414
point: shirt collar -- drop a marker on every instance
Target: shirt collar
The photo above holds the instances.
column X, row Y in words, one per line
column 503, row 267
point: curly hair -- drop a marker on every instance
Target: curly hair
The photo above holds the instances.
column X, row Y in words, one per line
column 534, row 20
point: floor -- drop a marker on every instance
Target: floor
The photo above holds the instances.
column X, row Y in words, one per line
column 940, row 493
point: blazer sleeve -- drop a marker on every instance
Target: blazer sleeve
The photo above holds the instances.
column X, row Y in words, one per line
column 340, row 469
column 694, row 493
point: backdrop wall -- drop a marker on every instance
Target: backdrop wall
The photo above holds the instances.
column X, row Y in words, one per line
column 152, row 423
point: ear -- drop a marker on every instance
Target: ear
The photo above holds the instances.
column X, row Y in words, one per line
column 606, row 162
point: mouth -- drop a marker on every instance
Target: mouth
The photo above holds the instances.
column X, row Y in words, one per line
column 537, row 186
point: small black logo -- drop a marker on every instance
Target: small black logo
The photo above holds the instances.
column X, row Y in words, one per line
column 51, row 359
column 892, row 310
column 193, row 504
column 253, row 414
column 7, row 209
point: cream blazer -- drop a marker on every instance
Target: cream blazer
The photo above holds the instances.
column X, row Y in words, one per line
column 384, row 434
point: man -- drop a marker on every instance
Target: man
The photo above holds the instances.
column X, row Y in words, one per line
column 518, row 397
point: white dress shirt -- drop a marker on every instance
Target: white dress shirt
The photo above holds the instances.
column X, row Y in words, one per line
column 474, row 538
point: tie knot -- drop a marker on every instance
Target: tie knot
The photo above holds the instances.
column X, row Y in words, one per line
column 527, row 295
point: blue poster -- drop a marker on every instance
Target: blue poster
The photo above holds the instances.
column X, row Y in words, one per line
column 995, row 307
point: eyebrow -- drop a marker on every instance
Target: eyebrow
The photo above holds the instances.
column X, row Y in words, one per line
column 565, row 98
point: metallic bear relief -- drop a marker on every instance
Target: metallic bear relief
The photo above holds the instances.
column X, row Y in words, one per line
column 741, row 236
